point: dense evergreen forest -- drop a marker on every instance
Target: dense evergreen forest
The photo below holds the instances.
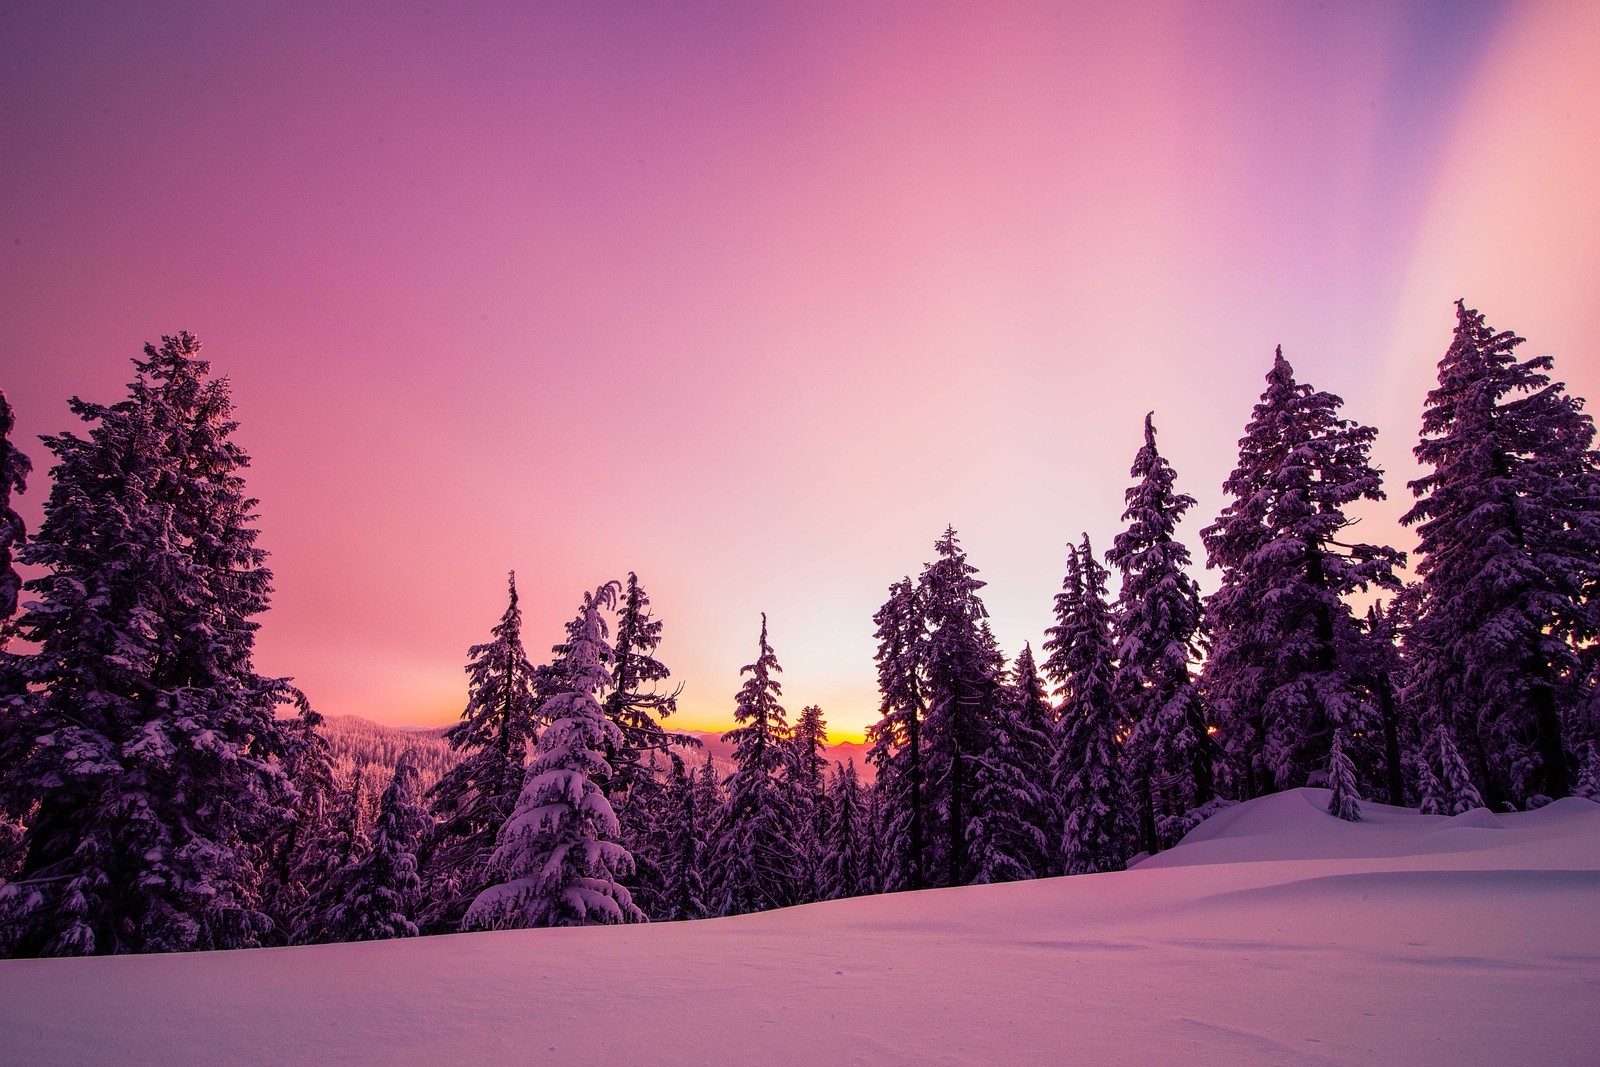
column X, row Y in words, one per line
column 157, row 794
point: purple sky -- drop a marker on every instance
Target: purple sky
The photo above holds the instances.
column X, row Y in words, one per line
column 754, row 299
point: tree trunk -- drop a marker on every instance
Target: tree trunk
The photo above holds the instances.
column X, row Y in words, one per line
column 1547, row 723
column 914, row 876
column 1391, row 739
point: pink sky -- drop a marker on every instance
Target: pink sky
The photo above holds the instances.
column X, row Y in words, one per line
column 754, row 299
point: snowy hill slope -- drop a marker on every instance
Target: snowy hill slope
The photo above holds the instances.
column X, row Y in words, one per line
column 1274, row 934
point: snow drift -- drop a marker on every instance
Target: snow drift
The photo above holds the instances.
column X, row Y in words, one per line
column 1273, row 934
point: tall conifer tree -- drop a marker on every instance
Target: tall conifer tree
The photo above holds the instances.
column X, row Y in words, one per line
column 757, row 863
column 473, row 800
column 637, row 704
column 558, row 852
column 1096, row 830
column 845, row 869
column 808, row 742
column 1508, row 525
column 897, row 749
column 1011, row 829
column 961, row 679
column 1158, row 625
column 138, row 733
column 14, row 468
column 1285, row 672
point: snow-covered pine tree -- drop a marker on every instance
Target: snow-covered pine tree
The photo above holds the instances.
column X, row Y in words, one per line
column 1280, row 674
column 678, row 838
column 1058, row 638
column 1588, row 784
column 1344, row 800
column 806, row 775
column 756, row 863
column 1038, row 715
column 844, row 871
column 1508, row 525
column 1158, row 623
column 558, row 851
column 637, row 705
column 1429, row 792
column 473, row 800
column 339, row 842
column 963, row 689
column 1446, row 784
column 896, row 740
column 709, row 797
column 378, row 896
column 308, row 762
column 138, row 733
column 710, row 801
column 1097, row 828
column 1010, row 832
column 14, row 468
column 1379, row 668
column 873, row 861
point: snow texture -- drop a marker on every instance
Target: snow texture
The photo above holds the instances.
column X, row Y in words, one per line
column 1274, row 933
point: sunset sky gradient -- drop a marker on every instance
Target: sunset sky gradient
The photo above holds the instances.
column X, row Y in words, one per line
column 754, row 299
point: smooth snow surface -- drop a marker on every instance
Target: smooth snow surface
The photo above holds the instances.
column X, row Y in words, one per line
column 1274, row 934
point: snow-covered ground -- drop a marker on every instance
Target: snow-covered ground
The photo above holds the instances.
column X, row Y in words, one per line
column 1273, row 934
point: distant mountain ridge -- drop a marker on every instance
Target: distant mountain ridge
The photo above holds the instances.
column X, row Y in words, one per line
column 358, row 742
column 722, row 754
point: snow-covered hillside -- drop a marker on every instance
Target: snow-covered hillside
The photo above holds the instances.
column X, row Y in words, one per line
column 1273, row 934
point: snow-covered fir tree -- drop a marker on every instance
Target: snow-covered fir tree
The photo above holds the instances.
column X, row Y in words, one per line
column 475, row 797
column 808, row 742
column 679, row 831
column 137, row 732
column 1446, row 784
column 845, row 867
column 1379, row 668
column 377, row 897
column 756, row 862
column 637, row 704
column 963, row 689
column 1096, row 828
column 1344, row 800
column 874, row 859
column 1588, row 783
column 1010, row 833
column 808, row 778
column 1503, row 618
column 1281, row 676
column 558, row 852
column 308, row 763
column 14, row 468
column 339, row 842
column 1158, row 620
column 709, row 794
column 896, row 738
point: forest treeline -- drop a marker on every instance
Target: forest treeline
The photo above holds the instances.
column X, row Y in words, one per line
column 157, row 794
